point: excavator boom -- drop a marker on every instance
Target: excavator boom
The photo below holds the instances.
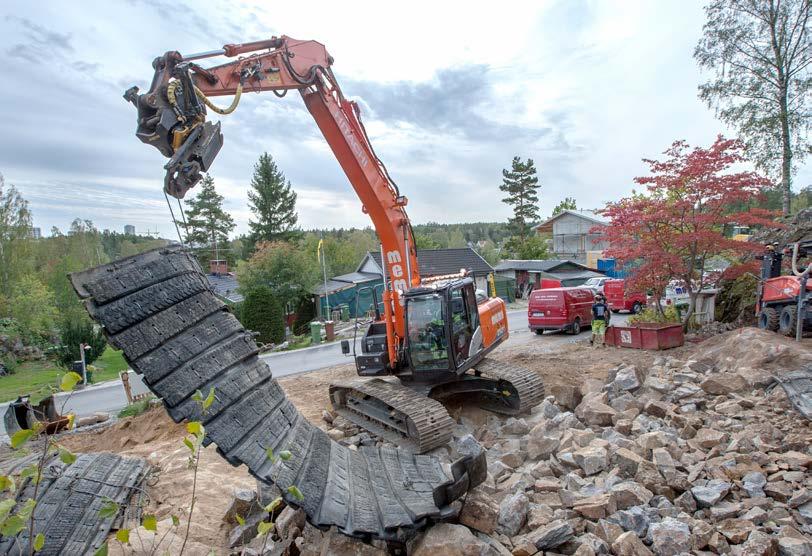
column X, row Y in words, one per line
column 171, row 117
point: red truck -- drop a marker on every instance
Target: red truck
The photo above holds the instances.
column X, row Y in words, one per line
column 783, row 301
column 568, row 309
column 620, row 300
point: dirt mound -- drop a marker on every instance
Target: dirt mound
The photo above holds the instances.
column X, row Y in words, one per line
column 150, row 427
column 753, row 353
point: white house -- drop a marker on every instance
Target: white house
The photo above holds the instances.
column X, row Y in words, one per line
column 576, row 235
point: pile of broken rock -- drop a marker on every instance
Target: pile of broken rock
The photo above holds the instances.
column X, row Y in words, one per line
column 675, row 459
column 686, row 456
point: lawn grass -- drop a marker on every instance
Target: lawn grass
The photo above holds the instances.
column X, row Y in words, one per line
column 40, row 378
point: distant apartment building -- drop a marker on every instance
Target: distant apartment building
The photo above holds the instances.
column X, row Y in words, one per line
column 129, row 230
column 36, row 233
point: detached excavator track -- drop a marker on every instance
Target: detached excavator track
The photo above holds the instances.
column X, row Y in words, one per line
column 520, row 383
column 158, row 309
column 394, row 412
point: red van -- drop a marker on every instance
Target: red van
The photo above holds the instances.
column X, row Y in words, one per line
column 568, row 309
column 620, row 300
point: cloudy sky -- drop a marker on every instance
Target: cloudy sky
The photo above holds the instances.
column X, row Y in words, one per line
column 450, row 93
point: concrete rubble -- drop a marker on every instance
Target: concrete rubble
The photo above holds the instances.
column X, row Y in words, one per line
column 687, row 456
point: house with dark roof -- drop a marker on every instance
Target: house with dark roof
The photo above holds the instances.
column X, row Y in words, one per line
column 355, row 289
column 576, row 235
column 438, row 262
column 529, row 273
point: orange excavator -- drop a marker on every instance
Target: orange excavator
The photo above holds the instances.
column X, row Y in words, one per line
column 433, row 336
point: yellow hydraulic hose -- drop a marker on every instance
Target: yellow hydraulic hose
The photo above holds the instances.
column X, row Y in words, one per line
column 170, row 94
column 217, row 109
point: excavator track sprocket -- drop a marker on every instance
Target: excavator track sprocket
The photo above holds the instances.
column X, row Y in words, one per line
column 523, row 387
column 157, row 307
column 394, row 412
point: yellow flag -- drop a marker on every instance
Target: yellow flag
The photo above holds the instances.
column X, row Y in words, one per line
column 318, row 250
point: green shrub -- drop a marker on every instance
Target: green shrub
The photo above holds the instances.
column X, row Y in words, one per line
column 79, row 331
column 263, row 314
column 650, row 314
column 136, row 408
column 10, row 363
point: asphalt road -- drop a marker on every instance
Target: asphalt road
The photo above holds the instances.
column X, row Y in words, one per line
column 109, row 396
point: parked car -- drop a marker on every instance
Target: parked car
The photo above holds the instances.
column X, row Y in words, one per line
column 596, row 284
column 568, row 309
column 621, row 300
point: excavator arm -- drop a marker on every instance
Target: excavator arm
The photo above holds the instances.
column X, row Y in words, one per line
column 172, row 118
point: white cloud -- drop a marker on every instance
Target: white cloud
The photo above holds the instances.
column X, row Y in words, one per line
column 450, row 93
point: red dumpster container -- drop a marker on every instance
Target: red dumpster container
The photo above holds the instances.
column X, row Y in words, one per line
column 652, row 336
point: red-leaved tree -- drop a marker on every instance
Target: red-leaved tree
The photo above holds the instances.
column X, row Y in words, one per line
column 672, row 229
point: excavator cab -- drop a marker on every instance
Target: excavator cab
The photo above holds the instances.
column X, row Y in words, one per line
column 443, row 334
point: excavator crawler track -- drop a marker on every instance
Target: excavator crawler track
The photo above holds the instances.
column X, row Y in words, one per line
column 520, row 383
column 394, row 412
column 173, row 330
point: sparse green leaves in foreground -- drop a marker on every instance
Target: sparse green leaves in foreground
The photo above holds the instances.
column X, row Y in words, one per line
column 264, row 527
column 150, row 523
column 69, row 381
column 294, row 491
column 108, row 509
column 39, row 542
column 7, row 483
column 123, row 536
column 66, row 456
column 21, row 437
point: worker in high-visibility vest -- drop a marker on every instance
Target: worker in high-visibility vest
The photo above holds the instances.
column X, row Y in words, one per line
column 600, row 320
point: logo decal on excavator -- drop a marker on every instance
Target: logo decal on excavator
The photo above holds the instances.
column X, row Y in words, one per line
column 357, row 149
column 396, row 268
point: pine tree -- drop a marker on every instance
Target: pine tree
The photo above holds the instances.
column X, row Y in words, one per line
column 567, row 204
column 272, row 201
column 207, row 223
column 521, row 185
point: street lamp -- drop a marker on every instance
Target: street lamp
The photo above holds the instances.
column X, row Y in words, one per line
column 82, row 348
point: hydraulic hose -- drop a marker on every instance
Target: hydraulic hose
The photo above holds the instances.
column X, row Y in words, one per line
column 216, row 108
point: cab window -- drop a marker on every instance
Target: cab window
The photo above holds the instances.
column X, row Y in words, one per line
column 428, row 345
column 461, row 330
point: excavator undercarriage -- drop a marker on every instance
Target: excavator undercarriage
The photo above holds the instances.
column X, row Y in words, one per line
column 411, row 415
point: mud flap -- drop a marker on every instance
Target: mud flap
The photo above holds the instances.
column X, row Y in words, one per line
column 157, row 308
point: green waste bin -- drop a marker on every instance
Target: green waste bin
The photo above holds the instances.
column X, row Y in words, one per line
column 315, row 332
column 345, row 313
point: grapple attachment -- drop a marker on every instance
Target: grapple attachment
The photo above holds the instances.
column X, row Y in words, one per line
column 172, row 118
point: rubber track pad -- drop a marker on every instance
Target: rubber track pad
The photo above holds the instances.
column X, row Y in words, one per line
column 181, row 338
column 69, row 499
